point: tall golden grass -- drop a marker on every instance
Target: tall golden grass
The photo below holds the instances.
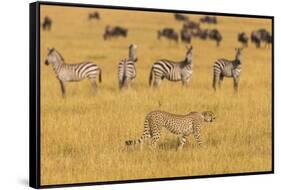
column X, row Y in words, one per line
column 82, row 136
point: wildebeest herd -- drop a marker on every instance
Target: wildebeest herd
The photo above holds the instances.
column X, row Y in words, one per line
column 163, row 68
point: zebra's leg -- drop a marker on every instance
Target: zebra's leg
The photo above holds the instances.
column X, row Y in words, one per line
column 235, row 83
column 185, row 82
column 215, row 81
column 126, row 84
column 62, row 85
column 156, row 82
column 220, row 81
column 94, row 84
column 183, row 140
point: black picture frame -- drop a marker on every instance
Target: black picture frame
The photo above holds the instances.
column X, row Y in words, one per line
column 34, row 93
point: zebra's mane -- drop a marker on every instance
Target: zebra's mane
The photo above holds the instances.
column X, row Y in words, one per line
column 185, row 62
column 237, row 61
column 58, row 53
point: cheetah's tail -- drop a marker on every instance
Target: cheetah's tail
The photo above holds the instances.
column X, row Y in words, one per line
column 133, row 142
column 146, row 135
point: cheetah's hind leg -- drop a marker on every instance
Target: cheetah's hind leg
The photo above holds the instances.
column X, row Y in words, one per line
column 182, row 142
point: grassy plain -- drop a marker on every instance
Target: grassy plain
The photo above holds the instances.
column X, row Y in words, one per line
column 82, row 136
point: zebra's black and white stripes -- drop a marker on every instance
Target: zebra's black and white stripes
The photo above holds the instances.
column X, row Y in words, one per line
column 127, row 68
column 72, row 72
column 172, row 70
column 227, row 68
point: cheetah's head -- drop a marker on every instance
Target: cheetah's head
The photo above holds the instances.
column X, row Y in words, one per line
column 209, row 116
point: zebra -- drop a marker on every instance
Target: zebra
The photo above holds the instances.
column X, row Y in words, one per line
column 127, row 68
column 226, row 68
column 72, row 72
column 172, row 70
column 181, row 125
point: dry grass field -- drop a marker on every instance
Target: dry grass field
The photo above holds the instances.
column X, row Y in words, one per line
column 83, row 135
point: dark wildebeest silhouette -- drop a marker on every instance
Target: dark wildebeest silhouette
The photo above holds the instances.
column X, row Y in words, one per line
column 191, row 25
column 203, row 34
column 243, row 38
column 94, row 15
column 185, row 36
column 268, row 39
column 261, row 35
column 181, row 17
column 47, row 23
column 256, row 38
column 114, row 32
column 215, row 35
column 200, row 33
column 168, row 33
column 265, row 36
column 209, row 19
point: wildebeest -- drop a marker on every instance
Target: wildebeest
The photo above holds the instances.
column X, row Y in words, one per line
column 215, row 35
column 114, row 32
column 185, row 36
column 203, row 34
column 181, row 17
column 94, row 15
column 200, row 33
column 261, row 35
column 209, row 19
column 47, row 23
column 191, row 25
column 169, row 33
column 243, row 38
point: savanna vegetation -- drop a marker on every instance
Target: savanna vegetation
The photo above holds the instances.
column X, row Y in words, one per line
column 83, row 134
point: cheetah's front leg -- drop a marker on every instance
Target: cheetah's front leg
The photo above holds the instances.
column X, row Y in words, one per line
column 197, row 136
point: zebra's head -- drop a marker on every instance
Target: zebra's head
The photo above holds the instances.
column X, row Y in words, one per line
column 133, row 52
column 53, row 57
column 188, row 55
column 209, row 116
column 238, row 54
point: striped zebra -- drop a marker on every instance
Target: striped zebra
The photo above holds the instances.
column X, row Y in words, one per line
column 226, row 68
column 172, row 70
column 72, row 72
column 127, row 68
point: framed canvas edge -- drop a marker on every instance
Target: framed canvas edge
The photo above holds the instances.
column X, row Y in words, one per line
column 34, row 94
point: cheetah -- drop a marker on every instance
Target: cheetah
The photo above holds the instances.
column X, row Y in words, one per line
column 181, row 125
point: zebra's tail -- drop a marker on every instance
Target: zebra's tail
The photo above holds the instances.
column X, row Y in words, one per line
column 150, row 76
column 146, row 134
column 100, row 76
